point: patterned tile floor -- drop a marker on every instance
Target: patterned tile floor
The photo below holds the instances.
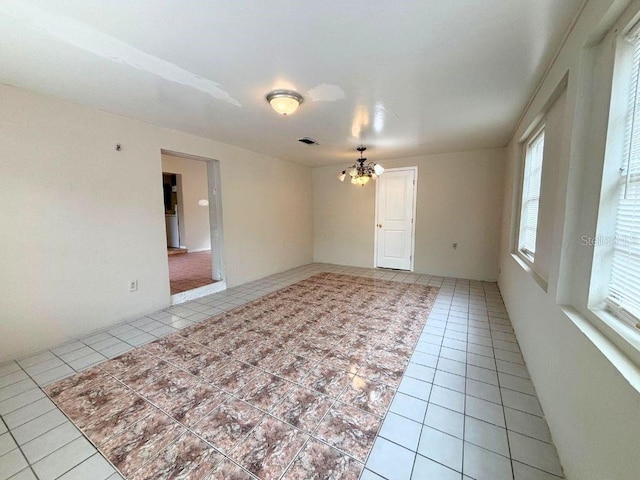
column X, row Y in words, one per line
column 465, row 403
column 189, row 270
column 298, row 367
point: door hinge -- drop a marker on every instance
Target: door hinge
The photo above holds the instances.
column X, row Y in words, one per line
column 414, row 182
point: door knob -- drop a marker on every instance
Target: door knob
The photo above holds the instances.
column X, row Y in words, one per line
column 379, row 225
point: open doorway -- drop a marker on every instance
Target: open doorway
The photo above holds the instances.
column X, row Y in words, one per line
column 193, row 225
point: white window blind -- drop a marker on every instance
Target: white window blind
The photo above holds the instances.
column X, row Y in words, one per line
column 624, row 286
column 531, row 194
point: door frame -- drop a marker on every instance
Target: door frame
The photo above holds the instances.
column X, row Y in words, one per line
column 413, row 214
column 216, row 232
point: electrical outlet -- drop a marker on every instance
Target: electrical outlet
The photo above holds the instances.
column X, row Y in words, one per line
column 133, row 285
column 454, row 246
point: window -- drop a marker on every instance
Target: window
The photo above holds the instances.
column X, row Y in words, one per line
column 531, row 194
column 623, row 296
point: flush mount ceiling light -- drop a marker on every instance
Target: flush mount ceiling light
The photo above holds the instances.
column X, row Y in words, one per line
column 360, row 173
column 285, row 102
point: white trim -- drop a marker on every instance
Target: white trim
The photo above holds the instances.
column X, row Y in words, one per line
column 198, row 292
column 413, row 214
column 214, row 180
column 527, row 266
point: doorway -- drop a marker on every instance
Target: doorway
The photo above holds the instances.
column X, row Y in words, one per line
column 193, row 219
column 395, row 213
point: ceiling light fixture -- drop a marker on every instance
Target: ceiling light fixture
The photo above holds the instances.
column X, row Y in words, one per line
column 360, row 173
column 285, row 102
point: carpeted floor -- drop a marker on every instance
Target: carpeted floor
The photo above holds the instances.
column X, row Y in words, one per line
column 292, row 385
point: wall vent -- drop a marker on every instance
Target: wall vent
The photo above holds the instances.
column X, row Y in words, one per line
column 308, row 141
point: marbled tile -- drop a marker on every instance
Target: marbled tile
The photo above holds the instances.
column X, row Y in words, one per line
column 176, row 349
column 207, row 336
column 303, row 408
column 318, row 461
column 233, row 376
column 399, row 347
column 341, row 362
column 292, row 367
column 227, row 470
column 172, row 342
column 346, row 358
column 207, row 364
column 340, row 336
column 141, row 442
column 72, row 386
column 390, row 358
column 170, row 388
column 265, row 391
column 327, row 380
column 225, row 426
column 104, row 399
column 258, row 355
column 230, row 343
column 142, row 375
column 368, row 395
column 349, row 429
column 269, row 448
column 100, row 429
column 311, row 350
column 379, row 372
column 246, row 340
column 354, row 343
column 192, row 330
column 188, row 458
column 194, row 403
column 135, row 359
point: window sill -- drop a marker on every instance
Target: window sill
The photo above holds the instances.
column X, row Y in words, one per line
column 605, row 332
column 527, row 266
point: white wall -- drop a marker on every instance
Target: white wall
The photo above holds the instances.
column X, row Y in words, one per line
column 459, row 201
column 197, row 233
column 72, row 238
column 584, row 382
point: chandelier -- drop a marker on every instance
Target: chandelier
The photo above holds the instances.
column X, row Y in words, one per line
column 360, row 173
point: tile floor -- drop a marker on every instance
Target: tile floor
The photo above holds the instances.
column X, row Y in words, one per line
column 465, row 404
column 189, row 270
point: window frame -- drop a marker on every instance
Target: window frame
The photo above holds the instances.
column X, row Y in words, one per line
column 618, row 308
column 524, row 254
column 615, row 325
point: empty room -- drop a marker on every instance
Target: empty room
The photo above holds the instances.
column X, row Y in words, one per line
column 320, row 240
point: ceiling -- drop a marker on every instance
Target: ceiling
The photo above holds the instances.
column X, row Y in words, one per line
column 403, row 78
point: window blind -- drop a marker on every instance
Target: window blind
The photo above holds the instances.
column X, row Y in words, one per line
column 531, row 194
column 624, row 286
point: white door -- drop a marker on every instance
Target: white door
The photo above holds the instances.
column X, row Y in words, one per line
column 395, row 208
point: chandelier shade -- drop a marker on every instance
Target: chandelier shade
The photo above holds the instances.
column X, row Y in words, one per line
column 360, row 173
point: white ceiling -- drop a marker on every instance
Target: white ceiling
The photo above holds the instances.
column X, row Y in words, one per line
column 401, row 77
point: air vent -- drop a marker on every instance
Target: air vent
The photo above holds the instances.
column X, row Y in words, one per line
column 308, row 141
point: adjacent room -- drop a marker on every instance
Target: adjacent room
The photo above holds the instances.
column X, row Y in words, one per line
column 340, row 240
column 185, row 185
